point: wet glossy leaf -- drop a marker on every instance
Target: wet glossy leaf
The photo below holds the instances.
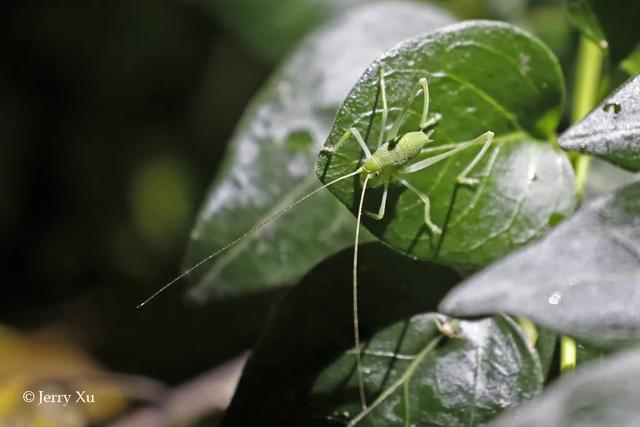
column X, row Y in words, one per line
column 582, row 280
column 612, row 130
column 271, row 157
column 483, row 76
column 606, row 393
column 302, row 371
column 611, row 24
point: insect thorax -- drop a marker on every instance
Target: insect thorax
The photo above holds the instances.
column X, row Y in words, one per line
column 394, row 155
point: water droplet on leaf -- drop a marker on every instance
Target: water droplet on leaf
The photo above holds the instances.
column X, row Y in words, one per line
column 555, row 298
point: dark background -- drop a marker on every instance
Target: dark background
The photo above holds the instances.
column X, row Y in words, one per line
column 113, row 118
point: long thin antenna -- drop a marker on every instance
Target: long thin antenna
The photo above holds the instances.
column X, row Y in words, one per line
column 239, row 239
column 356, row 324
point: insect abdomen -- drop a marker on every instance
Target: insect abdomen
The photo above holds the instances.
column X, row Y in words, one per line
column 405, row 150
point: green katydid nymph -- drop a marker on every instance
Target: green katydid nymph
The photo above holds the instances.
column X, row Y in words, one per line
column 396, row 155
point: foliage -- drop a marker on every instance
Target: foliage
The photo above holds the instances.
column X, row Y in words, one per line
column 572, row 274
column 272, row 153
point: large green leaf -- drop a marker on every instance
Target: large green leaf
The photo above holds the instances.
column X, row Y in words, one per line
column 271, row 157
column 302, row 371
column 582, row 280
column 606, row 393
column 612, row 24
column 612, row 130
column 483, row 76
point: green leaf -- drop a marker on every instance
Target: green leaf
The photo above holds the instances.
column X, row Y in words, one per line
column 611, row 24
column 272, row 153
column 583, row 17
column 582, row 280
column 612, row 130
column 302, row 371
column 631, row 64
column 606, row 393
column 546, row 348
column 483, row 76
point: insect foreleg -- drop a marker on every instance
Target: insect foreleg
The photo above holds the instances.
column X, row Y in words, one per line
column 421, row 87
column 345, row 138
column 427, row 206
column 385, row 108
column 462, row 178
column 383, row 203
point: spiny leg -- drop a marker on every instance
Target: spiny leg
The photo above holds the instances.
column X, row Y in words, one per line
column 385, row 108
column 484, row 139
column 422, row 87
column 356, row 325
column 345, row 138
column 383, row 203
column 462, row 178
column 427, row 206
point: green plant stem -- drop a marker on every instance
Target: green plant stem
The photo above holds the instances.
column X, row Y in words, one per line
column 568, row 353
column 585, row 97
column 529, row 329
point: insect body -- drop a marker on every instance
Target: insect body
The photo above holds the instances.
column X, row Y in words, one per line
column 396, row 156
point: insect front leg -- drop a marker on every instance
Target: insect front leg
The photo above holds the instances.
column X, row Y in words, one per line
column 345, row 137
column 385, row 108
column 383, row 203
column 427, row 206
column 462, row 178
column 422, row 87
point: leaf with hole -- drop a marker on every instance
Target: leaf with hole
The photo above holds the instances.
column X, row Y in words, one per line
column 271, row 158
column 582, row 280
column 611, row 130
column 483, row 76
column 302, row 372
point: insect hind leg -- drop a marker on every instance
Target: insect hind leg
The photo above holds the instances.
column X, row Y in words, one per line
column 463, row 178
column 427, row 206
column 383, row 204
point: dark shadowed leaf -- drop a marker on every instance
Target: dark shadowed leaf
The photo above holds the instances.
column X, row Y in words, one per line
column 272, row 154
column 606, row 393
column 546, row 347
column 483, row 76
column 612, row 130
column 611, row 24
column 582, row 280
column 302, row 371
